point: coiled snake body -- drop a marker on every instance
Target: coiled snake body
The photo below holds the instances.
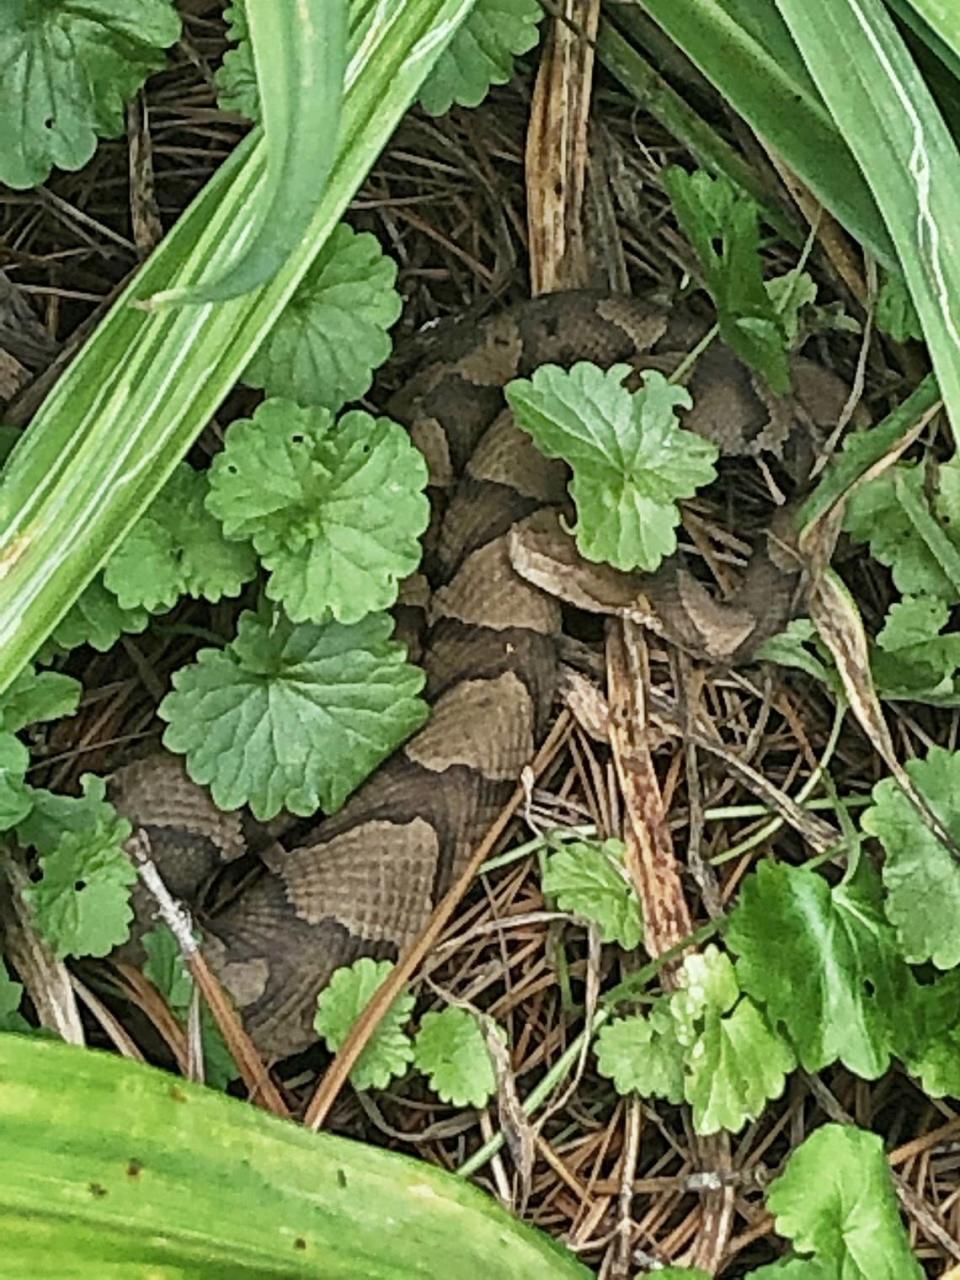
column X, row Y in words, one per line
column 363, row 881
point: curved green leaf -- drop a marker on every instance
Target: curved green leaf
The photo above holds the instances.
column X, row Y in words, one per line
column 110, row 1169
column 300, row 53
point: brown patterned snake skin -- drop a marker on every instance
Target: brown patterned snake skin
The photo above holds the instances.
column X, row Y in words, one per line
column 363, row 881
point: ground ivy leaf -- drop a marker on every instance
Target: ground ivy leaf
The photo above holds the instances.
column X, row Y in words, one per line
column 97, row 618
column 481, row 53
column 11, row 994
column 54, row 814
column 874, row 514
column 450, row 1049
column 823, row 962
column 641, row 1054
column 800, row 647
column 588, row 879
column 336, row 512
column 791, row 295
column 734, row 1062
column 293, row 716
column 631, row 461
column 177, row 548
column 16, row 797
column 236, row 78
column 69, row 69
column 82, row 902
column 35, row 696
column 929, row 1035
column 333, row 332
column 914, row 659
column 921, row 877
column 341, row 1003
column 835, row 1200
column 722, row 224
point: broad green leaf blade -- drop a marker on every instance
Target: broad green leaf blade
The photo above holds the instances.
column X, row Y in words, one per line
column 164, row 1177
column 300, row 54
column 131, row 404
column 745, row 50
column 67, row 70
column 293, row 717
column 836, row 1201
column 893, row 126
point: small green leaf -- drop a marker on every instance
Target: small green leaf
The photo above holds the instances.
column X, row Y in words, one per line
column 589, row 880
column 293, row 717
column 10, row 995
column 722, row 224
column 929, row 1035
column 734, row 1062
column 642, row 1055
column 16, row 797
column 36, row 696
column 481, row 54
column 82, row 903
column 798, row 646
column 823, row 962
column 390, row 1049
column 236, row 79
column 450, row 1049
column 96, row 618
column 336, row 512
column 69, row 69
column 631, row 461
column 876, row 515
column 835, row 1200
column 895, row 313
column 53, row 814
column 334, row 331
column 915, row 659
column 177, row 548
column 921, row 876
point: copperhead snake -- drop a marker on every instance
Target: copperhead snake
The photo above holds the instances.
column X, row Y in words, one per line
column 364, row 880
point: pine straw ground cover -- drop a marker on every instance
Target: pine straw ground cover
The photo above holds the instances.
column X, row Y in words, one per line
column 624, row 1182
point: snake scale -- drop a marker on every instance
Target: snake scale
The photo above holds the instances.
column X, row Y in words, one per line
column 364, row 880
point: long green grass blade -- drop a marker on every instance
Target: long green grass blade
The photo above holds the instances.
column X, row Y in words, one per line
column 744, row 49
column 111, row 1169
column 936, row 23
column 883, row 107
column 300, row 50
column 144, row 386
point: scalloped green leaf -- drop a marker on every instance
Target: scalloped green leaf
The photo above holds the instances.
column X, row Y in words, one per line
column 641, row 1054
column 921, row 876
column 481, row 54
column 236, row 78
column 177, row 548
column 389, row 1050
column 69, row 69
column 293, row 716
column 335, row 511
column 333, row 332
column 82, row 902
column 631, row 460
column 16, row 796
column 451, row 1051
column 589, row 880
column 98, row 619
column 35, row 696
